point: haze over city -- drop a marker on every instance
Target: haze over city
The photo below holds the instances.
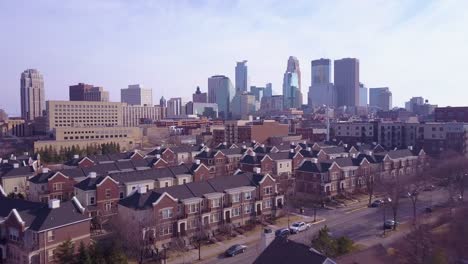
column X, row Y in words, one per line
column 413, row 47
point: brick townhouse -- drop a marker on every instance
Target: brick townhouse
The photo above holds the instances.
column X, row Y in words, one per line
column 49, row 185
column 31, row 231
column 182, row 211
column 327, row 178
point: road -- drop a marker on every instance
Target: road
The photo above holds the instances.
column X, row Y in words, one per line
column 361, row 224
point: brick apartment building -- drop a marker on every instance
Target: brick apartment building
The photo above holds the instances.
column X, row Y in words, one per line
column 451, row 114
column 245, row 131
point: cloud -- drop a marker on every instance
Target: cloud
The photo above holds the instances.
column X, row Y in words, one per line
column 414, row 47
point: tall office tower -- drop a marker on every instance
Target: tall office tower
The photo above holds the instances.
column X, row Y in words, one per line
column 221, row 92
column 362, row 95
column 32, row 94
column 88, row 92
column 321, row 91
column 259, row 92
column 243, row 104
column 268, row 90
column 162, row 102
column 199, row 97
column 174, row 107
column 241, row 77
column 347, row 81
column 380, row 98
column 292, row 96
column 135, row 94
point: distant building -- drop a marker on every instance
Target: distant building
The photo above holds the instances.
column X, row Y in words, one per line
column 413, row 103
column 32, row 94
column 3, row 116
column 162, row 102
column 362, row 95
column 258, row 92
column 268, row 90
column 380, row 98
column 272, row 104
column 321, row 91
column 136, row 95
column 199, row 97
column 450, row 114
column 88, row 92
column 346, row 80
column 243, row 104
column 292, row 95
column 174, row 107
column 221, row 92
column 241, row 77
column 209, row 110
column 241, row 131
column 134, row 115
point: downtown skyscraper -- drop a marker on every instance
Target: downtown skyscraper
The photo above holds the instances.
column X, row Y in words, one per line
column 347, row 82
column 321, row 91
column 292, row 95
column 241, row 77
column 32, row 94
column 221, row 92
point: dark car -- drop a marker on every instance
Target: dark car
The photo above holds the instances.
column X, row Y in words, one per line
column 283, row 232
column 377, row 203
column 389, row 224
column 236, row 249
column 429, row 188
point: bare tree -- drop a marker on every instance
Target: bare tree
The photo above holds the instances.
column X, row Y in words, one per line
column 370, row 185
column 453, row 170
column 417, row 246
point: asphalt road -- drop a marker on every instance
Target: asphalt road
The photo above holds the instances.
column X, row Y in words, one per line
column 362, row 224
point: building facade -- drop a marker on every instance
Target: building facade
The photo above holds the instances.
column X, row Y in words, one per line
column 174, row 107
column 346, row 81
column 136, row 94
column 241, row 77
column 199, row 97
column 32, row 94
column 292, row 95
column 380, row 98
column 88, row 92
column 450, row 114
column 134, row 115
column 221, row 92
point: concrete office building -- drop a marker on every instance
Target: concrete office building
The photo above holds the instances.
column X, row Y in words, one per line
column 322, row 91
column 380, row 98
column 88, row 92
column 174, row 107
column 199, row 97
column 221, row 92
column 241, row 77
column 346, row 81
column 363, row 95
column 134, row 115
column 32, row 94
column 83, row 114
column 135, row 94
column 292, row 95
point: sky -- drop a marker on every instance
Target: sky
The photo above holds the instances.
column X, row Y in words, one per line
column 417, row 48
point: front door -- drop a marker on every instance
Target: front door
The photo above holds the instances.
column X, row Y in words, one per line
column 182, row 229
column 259, row 209
column 228, row 217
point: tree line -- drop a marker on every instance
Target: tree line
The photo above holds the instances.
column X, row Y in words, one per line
column 95, row 253
column 49, row 154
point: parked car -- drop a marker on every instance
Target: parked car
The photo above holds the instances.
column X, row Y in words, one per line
column 429, row 188
column 283, row 232
column 298, row 227
column 235, row 250
column 405, row 195
column 377, row 203
column 428, row 210
column 389, row 224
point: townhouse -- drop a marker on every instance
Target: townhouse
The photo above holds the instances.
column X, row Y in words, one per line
column 185, row 210
column 30, row 232
column 48, row 185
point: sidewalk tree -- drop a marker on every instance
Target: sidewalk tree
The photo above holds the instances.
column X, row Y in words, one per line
column 418, row 246
column 65, row 253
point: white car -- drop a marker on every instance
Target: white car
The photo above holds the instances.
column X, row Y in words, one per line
column 297, row 227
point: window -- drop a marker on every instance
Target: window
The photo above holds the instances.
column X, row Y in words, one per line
column 236, row 211
column 248, row 196
column 50, row 235
column 248, row 208
column 166, row 213
column 165, row 230
column 215, row 203
column 193, row 208
column 214, row 218
column 108, row 193
column 192, row 223
column 268, row 190
column 121, row 195
column 108, row 207
column 281, row 165
column 267, row 203
column 166, row 184
column 50, row 255
column 91, row 200
column 13, row 234
column 235, row 198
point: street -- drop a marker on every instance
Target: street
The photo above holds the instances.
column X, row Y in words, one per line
column 358, row 222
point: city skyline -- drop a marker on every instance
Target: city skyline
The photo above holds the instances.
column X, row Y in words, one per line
column 406, row 31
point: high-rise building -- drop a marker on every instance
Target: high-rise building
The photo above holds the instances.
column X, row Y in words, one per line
column 321, row 91
column 413, row 103
column 174, row 107
column 134, row 115
column 199, row 97
column 32, row 94
column 135, row 94
column 241, row 77
column 162, row 102
column 346, row 80
column 259, row 92
column 380, row 98
column 268, row 90
column 221, row 92
column 362, row 95
column 243, row 104
column 88, row 92
column 292, row 94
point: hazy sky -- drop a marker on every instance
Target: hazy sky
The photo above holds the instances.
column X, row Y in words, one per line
column 414, row 47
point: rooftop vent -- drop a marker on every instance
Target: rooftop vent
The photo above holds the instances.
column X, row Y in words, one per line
column 314, row 160
column 141, row 189
column 45, row 170
column 54, row 203
column 291, row 150
column 197, row 161
column 158, row 156
column 15, row 165
column 225, row 143
column 158, row 147
column 76, row 156
column 309, row 149
column 92, row 174
column 257, row 170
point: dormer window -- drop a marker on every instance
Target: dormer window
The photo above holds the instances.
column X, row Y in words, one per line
column 248, row 196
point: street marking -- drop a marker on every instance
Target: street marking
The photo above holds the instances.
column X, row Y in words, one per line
column 357, row 209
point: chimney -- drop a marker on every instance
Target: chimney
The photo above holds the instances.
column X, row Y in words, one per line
column 309, row 149
column 305, row 142
column 254, row 141
column 257, row 170
column 45, row 170
column 410, row 147
column 345, row 145
column 158, row 147
column 358, row 143
column 207, row 149
column 267, row 237
column 293, row 143
column 314, row 160
column 26, row 153
column 202, row 144
column 141, row 189
column 76, row 156
column 4, row 161
column 158, row 156
column 197, row 161
column 54, row 203
column 244, row 147
column 225, row 143
column 92, row 175
column 368, row 152
column 263, row 145
column 291, row 150
column 15, row 165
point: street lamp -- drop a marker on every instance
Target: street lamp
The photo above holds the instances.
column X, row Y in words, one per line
column 385, row 202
